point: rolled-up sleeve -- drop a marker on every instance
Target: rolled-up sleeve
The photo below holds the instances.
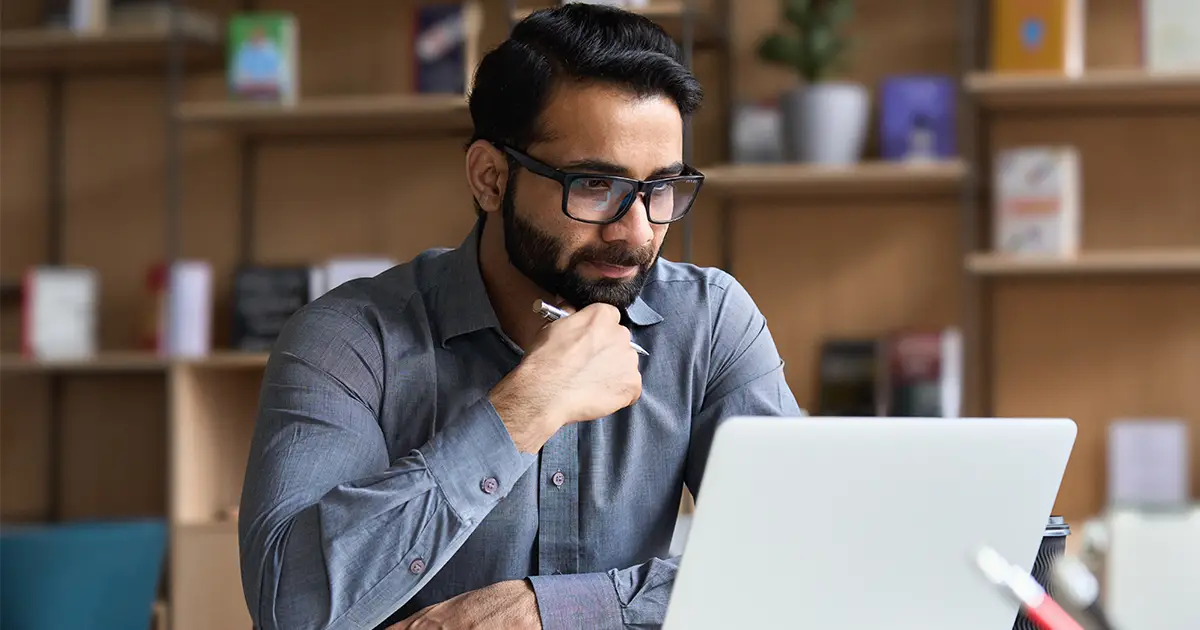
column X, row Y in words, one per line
column 333, row 534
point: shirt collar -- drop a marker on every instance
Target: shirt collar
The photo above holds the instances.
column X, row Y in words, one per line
column 462, row 301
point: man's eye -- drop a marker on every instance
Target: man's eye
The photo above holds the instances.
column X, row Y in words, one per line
column 596, row 184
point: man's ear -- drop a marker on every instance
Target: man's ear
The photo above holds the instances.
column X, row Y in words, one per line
column 487, row 174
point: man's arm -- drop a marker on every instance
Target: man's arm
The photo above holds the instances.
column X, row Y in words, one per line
column 745, row 378
column 333, row 534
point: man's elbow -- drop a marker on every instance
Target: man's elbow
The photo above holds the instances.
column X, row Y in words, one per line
column 284, row 579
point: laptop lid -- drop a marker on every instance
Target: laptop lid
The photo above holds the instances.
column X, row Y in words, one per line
column 865, row 523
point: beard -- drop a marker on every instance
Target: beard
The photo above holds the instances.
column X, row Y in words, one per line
column 536, row 254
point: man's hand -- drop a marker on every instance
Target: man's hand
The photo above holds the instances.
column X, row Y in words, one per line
column 509, row 605
column 578, row 368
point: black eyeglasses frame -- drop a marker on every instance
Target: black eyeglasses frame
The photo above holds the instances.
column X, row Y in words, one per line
column 640, row 186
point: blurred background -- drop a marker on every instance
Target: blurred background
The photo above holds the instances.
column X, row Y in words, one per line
column 943, row 207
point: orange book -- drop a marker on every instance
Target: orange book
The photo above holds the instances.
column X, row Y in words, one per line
column 1037, row 36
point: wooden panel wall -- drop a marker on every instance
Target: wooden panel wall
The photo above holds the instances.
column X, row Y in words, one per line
column 24, row 486
column 1099, row 348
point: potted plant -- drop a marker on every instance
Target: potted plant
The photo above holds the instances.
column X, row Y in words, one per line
column 824, row 120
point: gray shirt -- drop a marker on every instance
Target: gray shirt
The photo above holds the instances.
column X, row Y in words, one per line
column 381, row 480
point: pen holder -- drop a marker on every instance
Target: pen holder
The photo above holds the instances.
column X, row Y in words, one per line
column 1054, row 544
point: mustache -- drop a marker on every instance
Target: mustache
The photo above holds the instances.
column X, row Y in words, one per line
column 616, row 255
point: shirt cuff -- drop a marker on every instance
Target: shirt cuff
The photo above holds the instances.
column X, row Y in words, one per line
column 585, row 600
column 475, row 461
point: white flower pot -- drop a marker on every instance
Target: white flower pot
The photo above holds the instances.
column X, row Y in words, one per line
column 825, row 123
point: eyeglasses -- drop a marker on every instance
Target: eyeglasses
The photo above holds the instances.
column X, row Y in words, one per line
column 602, row 199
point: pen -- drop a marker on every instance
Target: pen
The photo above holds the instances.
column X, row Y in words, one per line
column 1043, row 610
column 554, row 313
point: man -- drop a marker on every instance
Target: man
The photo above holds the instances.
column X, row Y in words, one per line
column 430, row 453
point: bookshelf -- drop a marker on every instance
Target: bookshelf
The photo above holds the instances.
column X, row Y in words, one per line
column 1106, row 333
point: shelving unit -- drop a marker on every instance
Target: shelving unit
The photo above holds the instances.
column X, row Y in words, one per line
column 1111, row 332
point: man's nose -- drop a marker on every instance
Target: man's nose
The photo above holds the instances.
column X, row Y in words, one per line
column 635, row 227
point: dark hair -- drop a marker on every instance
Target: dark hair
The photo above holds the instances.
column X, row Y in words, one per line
column 574, row 42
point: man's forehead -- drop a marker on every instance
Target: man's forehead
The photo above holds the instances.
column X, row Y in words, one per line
column 635, row 140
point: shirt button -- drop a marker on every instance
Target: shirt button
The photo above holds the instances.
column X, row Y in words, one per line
column 416, row 566
column 558, row 478
column 489, row 485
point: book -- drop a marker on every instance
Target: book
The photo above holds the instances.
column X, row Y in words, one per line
column 1171, row 35
column 262, row 57
column 80, row 16
column 158, row 14
column 181, row 318
column 1148, row 463
column 264, row 298
column 336, row 271
column 59, row 312
column 1036, row 201
column 923, row 374
column 1038, row 36
column 848, row 378
column 446, row 46
column 917, row 117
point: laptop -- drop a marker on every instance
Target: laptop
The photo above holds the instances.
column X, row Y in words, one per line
column 865, row 523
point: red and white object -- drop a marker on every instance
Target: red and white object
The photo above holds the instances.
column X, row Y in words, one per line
column 182, row 318
column 59, row 320
column 1018, row 583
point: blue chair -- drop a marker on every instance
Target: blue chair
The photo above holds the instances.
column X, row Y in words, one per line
column 81, row 575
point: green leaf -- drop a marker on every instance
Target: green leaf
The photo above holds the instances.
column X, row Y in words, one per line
column 798, row 12
column 839, row 12
column 781, row 49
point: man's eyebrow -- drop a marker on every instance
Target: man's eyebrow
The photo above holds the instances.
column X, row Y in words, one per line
column 608, row 168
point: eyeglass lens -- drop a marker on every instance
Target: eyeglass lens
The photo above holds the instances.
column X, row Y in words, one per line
column 600, row 198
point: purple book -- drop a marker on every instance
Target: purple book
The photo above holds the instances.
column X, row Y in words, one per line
column 916, row 117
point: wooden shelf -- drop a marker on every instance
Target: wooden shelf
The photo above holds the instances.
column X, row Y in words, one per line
column 132, row 361
column 1099, row 89
column 228, row 359
column 103, row 362
column 324, row 115
column 1089, row 263
column 670, row 15
column 49, row 49
column 867, row 178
